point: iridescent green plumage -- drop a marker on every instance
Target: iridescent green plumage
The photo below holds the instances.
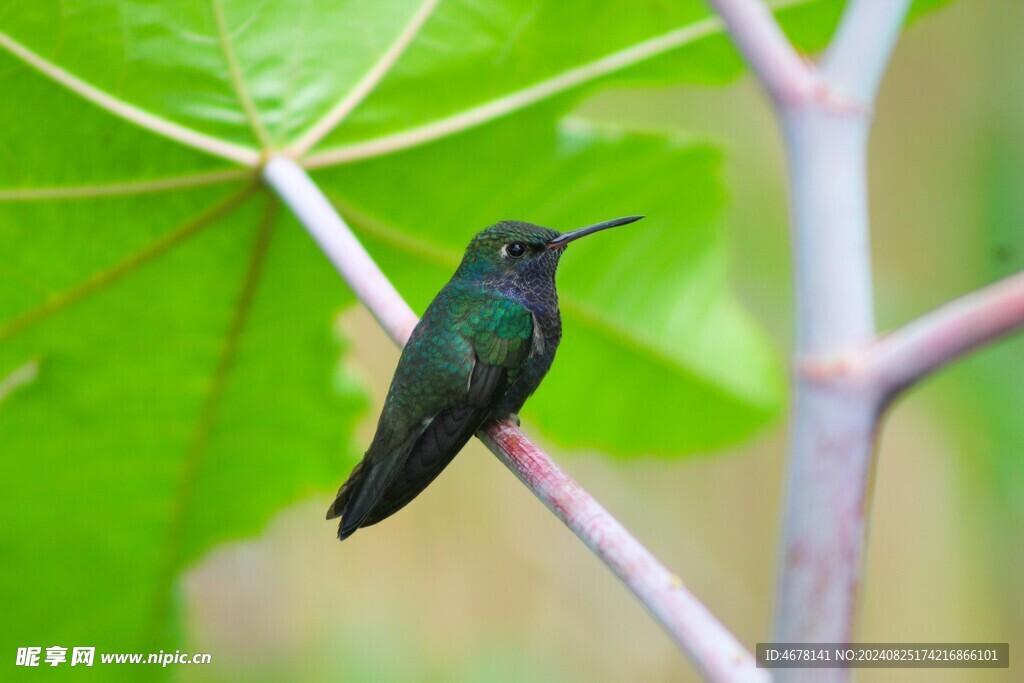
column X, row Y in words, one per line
column 482, row 347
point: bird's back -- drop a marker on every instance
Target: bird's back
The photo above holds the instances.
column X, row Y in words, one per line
column 459, row 363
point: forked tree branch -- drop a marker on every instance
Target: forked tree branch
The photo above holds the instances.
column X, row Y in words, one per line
column 713, row 650
column 930, row 342
column 856, row 59
column 921, row 347
column 847, row 374
column 758, row 36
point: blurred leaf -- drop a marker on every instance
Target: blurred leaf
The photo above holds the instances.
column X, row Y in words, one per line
column 993, row 379
column 1002, row 369
column 920, row 7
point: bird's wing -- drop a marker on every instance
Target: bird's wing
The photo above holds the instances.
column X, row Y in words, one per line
column 441, row 441
column 496, row 340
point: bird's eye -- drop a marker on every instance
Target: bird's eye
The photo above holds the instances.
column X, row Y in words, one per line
column 515, row 249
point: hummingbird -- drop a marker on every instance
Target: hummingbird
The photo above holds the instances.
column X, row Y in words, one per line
column 480, row 350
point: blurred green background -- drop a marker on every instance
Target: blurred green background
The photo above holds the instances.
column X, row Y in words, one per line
column 478, row 582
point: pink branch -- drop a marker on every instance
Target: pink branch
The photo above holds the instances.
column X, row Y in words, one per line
column 712, row 649
column 856, row 60
column 833, row 423
column 782, row 72
column 923, row 346
column 341, row 247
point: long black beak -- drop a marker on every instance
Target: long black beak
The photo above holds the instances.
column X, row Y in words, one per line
column 567, row 237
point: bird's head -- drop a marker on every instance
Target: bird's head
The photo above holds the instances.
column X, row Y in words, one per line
column 513, row 250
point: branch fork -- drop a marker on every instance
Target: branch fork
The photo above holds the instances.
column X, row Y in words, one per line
column 849, row 373
column 899, row 359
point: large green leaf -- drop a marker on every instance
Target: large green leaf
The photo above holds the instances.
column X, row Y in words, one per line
column 167, row 372
column 481, row 65
column 181, row 395
column 185, row 60
column 235, row 76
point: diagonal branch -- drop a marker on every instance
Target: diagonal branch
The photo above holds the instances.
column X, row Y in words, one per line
column 712, row 649
column 904, row 357
column 341, row 247
column 855, row 61
column 782, row 72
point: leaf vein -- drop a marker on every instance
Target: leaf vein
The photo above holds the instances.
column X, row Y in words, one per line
column 30, row 194
column 520, row 99
column 237, row 81
column 207, row 418
column 129, row 112
column 105, row 278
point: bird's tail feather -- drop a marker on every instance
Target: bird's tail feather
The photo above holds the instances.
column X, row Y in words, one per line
column 363, row 489
column 355, row 499
column 337, row 508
